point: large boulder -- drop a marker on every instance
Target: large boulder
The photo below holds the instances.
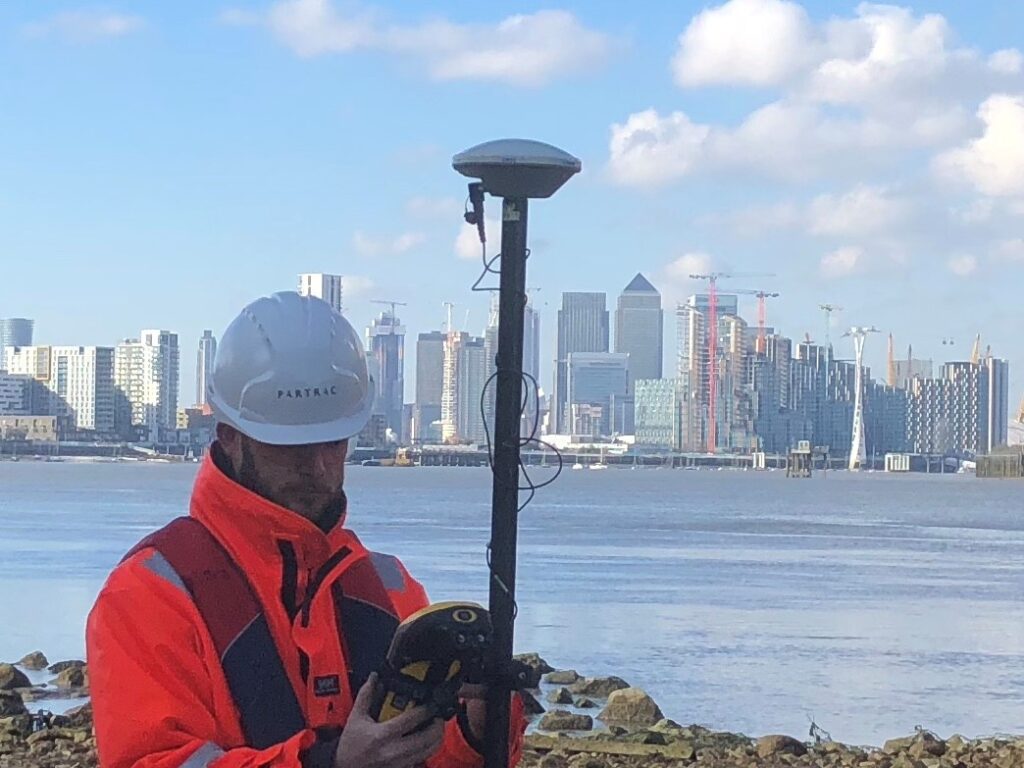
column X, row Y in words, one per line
column 560, row 696
column 80, row 717
column 562, row 677
column 768, row 746
column 72, row 677
column 11, row 704
column 538, row 667
column 631, row 706
column 600, row 687
column 560, row 720
column 35, row 661
column 60, row 666
column 16, row 725
column 927, row 745
column 921, row 744
column 11, row 677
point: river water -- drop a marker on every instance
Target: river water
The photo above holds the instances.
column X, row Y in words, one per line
column 743, row 601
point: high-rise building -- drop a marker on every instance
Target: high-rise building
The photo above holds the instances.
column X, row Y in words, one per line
column 582, row 327
column 204, row 365
column 472, row 376
column 146, row 377
column 639, row 328
column 322, row 286
column 73, row 384
column 531, row 367
column 83, row 380
column 490, row 361
column 15, row 394
column 29, row 361
column 385, row 338
column 912, row 369
column 964, row 412
column 14, row 332
column 658, row 413
column 429, row 384
column 692, row 371
column 449, row 391
column 995, row 404
column 594, row 381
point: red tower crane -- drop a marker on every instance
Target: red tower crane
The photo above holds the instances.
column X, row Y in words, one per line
column 712, row 336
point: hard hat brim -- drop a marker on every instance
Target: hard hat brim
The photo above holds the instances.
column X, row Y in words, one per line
column 293, row 434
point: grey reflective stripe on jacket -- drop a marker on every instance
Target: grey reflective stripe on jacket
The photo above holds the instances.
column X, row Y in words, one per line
column 203, row 756
column 157, row 564
column 389, row 570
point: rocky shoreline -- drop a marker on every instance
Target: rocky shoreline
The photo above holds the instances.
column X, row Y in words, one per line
column 576, row 722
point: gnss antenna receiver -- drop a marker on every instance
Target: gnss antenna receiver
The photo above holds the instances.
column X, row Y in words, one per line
column 514, row 170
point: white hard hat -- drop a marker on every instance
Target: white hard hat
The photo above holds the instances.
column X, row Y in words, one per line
column 289, row 370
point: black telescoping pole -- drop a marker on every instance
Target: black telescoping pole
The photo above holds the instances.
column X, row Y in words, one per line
column 505, row 498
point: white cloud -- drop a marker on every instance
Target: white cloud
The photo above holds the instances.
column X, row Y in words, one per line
column 353, row 286
column 370, row 245
column 863, row 211
column 787, row 140
column 1011, row 250
column 994, row 162
column 963, row 265
column 857, row 94
column 675, row 282
column 695, row 263
column 650, row 150
column 745, row 42
column 882, row 51
column 523, row 49
column 433, row 207
column 1009, row 61
column 842, row 262
column 467, row 242
column 86, row 26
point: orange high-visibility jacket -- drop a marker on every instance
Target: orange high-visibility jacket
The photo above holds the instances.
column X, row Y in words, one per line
column 160, row 694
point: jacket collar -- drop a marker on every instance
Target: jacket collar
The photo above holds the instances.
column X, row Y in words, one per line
column 251, row 527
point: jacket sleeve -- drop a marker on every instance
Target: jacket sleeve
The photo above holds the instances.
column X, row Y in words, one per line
column 456, row 751
column 153, row 695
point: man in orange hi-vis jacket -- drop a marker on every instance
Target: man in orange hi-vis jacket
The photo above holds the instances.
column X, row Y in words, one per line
column 248, row 633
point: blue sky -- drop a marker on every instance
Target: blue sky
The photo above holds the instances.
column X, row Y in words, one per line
column 164, row 163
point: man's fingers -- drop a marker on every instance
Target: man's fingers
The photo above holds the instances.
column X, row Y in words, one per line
column 408, row 721
column 417, row 747
column 362, row 703
column 473, row 691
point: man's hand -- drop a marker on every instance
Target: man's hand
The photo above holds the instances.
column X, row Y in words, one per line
column 395, row 744
column 475, row 697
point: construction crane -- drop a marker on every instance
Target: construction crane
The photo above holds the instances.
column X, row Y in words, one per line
column 391, row 304
column 762, row 313
column 828, row 309
column 712, row 337
column 762, row 319
column 448, row 316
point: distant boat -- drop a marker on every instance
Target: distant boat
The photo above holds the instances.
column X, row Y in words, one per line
column 577, row 465
column 599, row 465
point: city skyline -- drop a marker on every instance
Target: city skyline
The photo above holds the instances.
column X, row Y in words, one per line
column 878, row 171
column 729, row 304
